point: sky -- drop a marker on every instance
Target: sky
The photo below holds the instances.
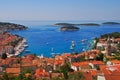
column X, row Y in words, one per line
column 59, row 9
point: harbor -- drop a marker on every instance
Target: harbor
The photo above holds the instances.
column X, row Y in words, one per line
column 19, row 48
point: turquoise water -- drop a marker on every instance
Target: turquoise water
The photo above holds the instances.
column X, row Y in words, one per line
column 46, row 39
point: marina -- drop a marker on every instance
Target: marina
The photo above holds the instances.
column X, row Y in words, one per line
column 19, row 48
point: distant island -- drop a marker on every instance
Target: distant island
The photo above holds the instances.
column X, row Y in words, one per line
column 111, row 23
column 69, row 28
column 5, row 26
column 89, row 24
column 63, row 24
column 69, row 24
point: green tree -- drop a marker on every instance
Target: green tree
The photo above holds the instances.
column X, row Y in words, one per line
column 94, row 78
column 76, row 76
column 100, row 57
column 58, row 78
column 4, row 56
column 65, row 69
column 5, row 76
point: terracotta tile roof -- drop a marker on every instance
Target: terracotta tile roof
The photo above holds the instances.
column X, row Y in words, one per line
column 97, row 62
column 92, row 56
column 112, row 77
column 26, row 60
column 93, row 72
column 59, row 62
column 41, row 73
column 58, row 57
column 88, row 76
column 118, row 39
column 50, row 61
column 13, row 70
column 65, row 55
column 115, row 61
column 102, row 67
column 29, row 56
column 111, row 72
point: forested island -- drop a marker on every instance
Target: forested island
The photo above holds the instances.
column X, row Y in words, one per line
column 63, row 24
column 69, row 24
column 5, row 26
column 87, row 24
column 69, row 28
column 111, row 23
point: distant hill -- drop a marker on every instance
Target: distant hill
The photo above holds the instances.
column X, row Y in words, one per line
column 114, row 34
column 111, row 23
column 11, row 26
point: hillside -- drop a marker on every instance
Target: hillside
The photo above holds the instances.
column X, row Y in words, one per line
column 11, row 26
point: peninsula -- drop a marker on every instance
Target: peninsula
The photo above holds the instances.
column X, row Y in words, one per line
column 10, row 44
column 5, row 26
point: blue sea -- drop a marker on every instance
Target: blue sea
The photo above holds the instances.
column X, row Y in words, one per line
column 44, row 38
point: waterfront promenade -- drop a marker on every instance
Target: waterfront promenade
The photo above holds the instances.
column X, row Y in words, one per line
column 19, row 48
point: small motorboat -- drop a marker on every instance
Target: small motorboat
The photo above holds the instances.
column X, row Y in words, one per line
column 27, row 51
column 84, row 40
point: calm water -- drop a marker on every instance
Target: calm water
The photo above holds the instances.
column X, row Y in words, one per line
column 46, row 39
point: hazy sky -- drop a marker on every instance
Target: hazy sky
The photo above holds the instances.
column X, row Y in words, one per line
column 59, row 9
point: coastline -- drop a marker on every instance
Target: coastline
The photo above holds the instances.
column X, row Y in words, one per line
column 19, row 48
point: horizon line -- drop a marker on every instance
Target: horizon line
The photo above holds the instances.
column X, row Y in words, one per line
column 61, row 20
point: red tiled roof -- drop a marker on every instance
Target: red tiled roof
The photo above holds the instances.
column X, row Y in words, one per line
column 64, row 55
column 111, row 72
column 97, row 62
column 118, row 39
column 93, row 72
column 92, row 55
column 59, row 61
column 13, row 70
column 80, row 63
column 41, row 73
column 115, row 61
column 88, row 76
